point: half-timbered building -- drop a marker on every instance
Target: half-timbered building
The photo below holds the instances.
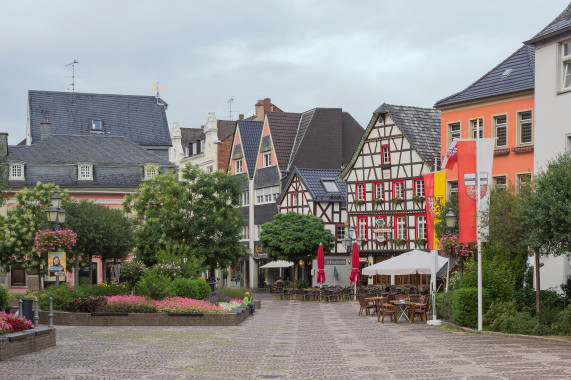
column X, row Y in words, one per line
column 322, row 138
column 385, row 188
column 321, row 193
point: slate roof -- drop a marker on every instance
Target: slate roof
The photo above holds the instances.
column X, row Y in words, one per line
column 304, row 121
column 562, row 23
column 250, row 134
column 421, row 126
column 312, row 180
column 190, row 135
column 98, row 150
column 495, row 82
column 283, row 127
column 226, row 128
column 141, row 119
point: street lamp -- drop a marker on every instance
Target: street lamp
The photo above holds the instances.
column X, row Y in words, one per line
column 55, row 215
column 347, row 240
column 450, row 218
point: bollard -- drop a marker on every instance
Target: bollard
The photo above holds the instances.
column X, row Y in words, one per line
column 51, row 315
column 36, row 314
column 20, row 308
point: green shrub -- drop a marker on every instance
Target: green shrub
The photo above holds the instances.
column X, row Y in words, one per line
column 203, row 289
column 184, row 287
column 522, row 323
column 235, row 293
column 465, row 306
column 302, row 284
column 444, row 305
column 4, row 300
column 132, row 272
column 131, row 307
column 15, row 296
column 497, row 311
column 550, row 299
column 497, row 278
column 154, row 285
column 66, row 294
column 563, row 323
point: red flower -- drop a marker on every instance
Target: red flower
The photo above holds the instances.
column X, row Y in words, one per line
column 75, row 302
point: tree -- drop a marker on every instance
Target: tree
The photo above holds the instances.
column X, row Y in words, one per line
column 22, row 224
column 294, row 237
column 546, row 214
column 201, row 213
column 101, row 232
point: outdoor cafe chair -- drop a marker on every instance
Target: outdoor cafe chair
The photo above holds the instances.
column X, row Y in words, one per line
column 365, row 305
column 421, row 309
column 387, row 309
column 416, row 298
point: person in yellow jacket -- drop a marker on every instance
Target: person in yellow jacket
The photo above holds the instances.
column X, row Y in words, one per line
column 249, row 301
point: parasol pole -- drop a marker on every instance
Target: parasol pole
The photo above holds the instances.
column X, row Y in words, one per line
column 478, row 206
column 434, row 321
column 447, row 275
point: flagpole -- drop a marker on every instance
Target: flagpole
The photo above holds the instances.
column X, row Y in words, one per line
column 479, row 242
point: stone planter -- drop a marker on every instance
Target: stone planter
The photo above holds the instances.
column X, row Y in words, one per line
column 24, row 342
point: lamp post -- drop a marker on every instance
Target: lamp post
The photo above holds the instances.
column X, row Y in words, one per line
column 450, row 219
column 55, row 215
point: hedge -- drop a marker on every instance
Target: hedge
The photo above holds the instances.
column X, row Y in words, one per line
column 465, row 306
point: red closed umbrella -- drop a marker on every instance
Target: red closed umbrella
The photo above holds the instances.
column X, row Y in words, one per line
column 355, row 271
column 320, row 265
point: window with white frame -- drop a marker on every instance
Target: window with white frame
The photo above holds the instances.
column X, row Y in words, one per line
column 194, row 148
column 523, row 180
column 238, row 166
column 294, row 199
column 501, row 130
column 258, row 231
column 400, row 223
column 151, row 171
column 500, row 181
column 419, row 187
column 245, row 198
column 267, row 194
column 421, row 226
column 454, row 131
column 398, row 189
column 566, row 65
column 267, row 157
column 16, row 172
column 477, row 127
column 386, row 154
column 379, row 191
column 360, row 191
column 246, row 233
column 85, row 172
column 202, row 143
column 363, row 228
column 525, row 128
column 340, row 232
column 453, row 186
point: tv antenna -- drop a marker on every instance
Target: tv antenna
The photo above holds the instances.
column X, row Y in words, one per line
column 72, row 80
column 230, row 101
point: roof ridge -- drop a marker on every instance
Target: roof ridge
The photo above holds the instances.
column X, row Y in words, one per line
column 291, row 156
column 479, row 79
column 91, row 93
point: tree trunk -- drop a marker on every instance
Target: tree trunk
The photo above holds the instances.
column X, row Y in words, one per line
column 90, row 270
column 537, row 286
column 76, row 271
column 104, row 266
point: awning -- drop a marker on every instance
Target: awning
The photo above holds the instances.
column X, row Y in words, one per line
column 277, row 264
column 413, row 262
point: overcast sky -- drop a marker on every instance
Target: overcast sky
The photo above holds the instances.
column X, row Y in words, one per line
column 302, row 54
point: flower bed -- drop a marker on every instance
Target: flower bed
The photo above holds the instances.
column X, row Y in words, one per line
column 10, row 323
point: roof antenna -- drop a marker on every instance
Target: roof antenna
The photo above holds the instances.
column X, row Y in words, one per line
column 72, row 80
column 158, row 94
column 230, row 101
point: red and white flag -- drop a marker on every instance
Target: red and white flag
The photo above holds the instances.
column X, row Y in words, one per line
column 467, row 185
column 450, row 157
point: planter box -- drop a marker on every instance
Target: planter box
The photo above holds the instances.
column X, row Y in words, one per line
column 24, row 342
column 63, row 318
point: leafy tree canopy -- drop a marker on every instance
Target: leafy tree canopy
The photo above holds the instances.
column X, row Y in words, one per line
column 546, row 213
column 200, row 213
column 294, row 237
column 22, row 223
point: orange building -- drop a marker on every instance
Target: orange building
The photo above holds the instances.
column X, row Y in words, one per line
column 498, row 105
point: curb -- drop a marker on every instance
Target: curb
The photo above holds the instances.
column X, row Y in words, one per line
column 549, row 339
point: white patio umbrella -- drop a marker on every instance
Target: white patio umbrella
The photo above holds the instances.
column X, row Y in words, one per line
column 413, row 262
column 277, row 264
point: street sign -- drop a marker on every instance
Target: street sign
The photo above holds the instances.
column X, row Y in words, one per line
column 382, row 230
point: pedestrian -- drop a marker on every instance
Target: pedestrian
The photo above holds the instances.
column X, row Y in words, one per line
column 249, row 301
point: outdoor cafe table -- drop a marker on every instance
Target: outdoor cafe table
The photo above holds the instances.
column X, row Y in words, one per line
column 376, row 302
column 403, row 308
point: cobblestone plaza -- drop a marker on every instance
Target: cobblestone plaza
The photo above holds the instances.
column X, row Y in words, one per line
column 290, row 339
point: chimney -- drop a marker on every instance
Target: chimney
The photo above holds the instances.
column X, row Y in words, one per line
column 259, row 111
column 45, row 128
column 241, row 116
column 3, row 144
column 267, row 105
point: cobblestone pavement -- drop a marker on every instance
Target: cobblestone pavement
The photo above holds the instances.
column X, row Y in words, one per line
column 289, row 339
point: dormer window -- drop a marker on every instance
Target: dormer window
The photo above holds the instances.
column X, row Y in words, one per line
column 85, row 172
column 151, row 171
column 16, row 172
column 330, row 185
column 96, row 125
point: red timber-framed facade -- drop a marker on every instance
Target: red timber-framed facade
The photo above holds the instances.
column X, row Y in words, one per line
column 319, row 192
column 384, row 181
